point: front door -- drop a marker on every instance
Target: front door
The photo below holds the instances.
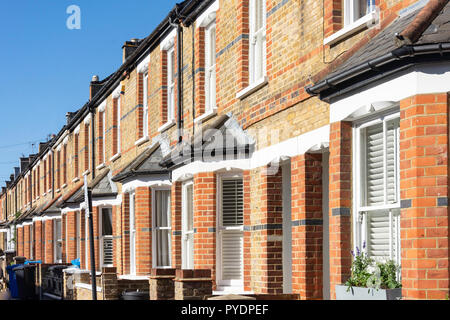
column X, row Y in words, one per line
column 188, row 226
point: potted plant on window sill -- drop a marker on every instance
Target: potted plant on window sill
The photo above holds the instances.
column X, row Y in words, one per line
column 370, row 280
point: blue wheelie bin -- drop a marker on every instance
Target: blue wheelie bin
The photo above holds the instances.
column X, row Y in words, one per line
column 12, row 281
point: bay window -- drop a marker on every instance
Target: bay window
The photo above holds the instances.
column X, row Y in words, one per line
column 377, row 193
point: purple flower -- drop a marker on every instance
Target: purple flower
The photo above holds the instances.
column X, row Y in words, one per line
column 353, row 254
column 357, row 251
column 364, row 244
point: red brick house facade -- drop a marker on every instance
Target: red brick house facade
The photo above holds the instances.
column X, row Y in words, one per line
column 261, row 139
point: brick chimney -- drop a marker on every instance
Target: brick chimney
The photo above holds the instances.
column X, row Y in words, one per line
column 94, row 87
column 24, row 162
column 129, row 47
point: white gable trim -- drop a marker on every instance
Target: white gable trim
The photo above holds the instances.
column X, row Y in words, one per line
column 423, row 79
column 208, row 15
column 169, row 40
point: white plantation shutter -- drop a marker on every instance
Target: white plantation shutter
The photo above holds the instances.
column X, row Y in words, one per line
column 231, row 232
column 379, row 180
column 232, row 244
column 375, row 165
column 232, row 203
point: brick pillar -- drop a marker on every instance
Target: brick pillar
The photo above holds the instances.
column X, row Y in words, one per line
column 205, row 222
column 125, row 226
column 38, row 239
column 26, row 241
column 71, row 253
column 162, row 285
column 20, row 244
column 117, row 242
column 176, row 212
column 63, row 237
column 95, row 221
column 424, row 175
column 83, row 262
column 340, row 202
column 266, row 231
column 110, row 289
column 143, row 220
column 307, row 226
column 193, row 284
column 49, row 241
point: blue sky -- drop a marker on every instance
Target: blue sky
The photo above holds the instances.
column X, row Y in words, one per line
column 46, row 68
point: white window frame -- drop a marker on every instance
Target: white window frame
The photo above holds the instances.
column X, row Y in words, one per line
column 210, row 68
column 351, row 10
column 257, row 38
column 102, row 237
column 119, row 113
column 186, row 259
column 132, row 234
column 104, row 135
column 233, row 285
column 55, row 240
column 170, row 85
column 360, row 210
column 78, row 234
column 145, row 105
column 154, row 228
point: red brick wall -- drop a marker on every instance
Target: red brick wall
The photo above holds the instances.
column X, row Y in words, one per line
column 125, row 225
column 38, row 240
column 26, row 241
column 176, row 213
column 266, row 233
column 143, row 220
column 246, row 180
column 117, row 242
column 83, row 242
column 71, row 253
column 19, row 241
column 205, row 222
column 49, row 241
column 340, row 203
column 307, row 229
column 424, row 130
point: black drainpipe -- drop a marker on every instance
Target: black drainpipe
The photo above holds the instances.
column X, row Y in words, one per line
column 93, row 142
column 179, row 75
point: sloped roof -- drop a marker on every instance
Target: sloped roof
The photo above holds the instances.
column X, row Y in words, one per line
column 223, row 137
column 101, row 186
column 393, row 48
column 145, row 164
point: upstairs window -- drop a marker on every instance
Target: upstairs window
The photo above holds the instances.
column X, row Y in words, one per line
column 145, row 104
column 170, row 84
column 377, row 177
column 356, row 9
column 257, row 40
column 210, row 66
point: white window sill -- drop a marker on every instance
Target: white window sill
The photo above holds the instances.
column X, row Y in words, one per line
column 141, row 141
column 252, row 88
column 76, row 180
column 115, row 157
column 99, row 167
column 208, row 115
column 361, row 23
column 86, row 173
column 132, row 277
column 58, row 190
column 64, row 186
column 166, row 126
column 38, row 198
column 44, row 194
column 49, row 190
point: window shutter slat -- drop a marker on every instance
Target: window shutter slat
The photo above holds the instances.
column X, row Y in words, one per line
column 375, row 165
column 232, row 255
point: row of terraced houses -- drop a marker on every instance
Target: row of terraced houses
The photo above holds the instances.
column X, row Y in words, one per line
column 263, row 140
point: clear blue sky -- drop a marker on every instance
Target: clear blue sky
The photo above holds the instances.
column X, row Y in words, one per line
column 46, row 68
